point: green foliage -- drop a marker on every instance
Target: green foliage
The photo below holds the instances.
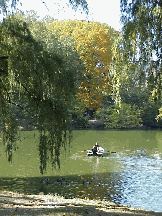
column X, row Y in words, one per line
column 79, row 119
column 125, row 117
column 77, row 3
column 40, row 85
column 159, row 115
column 4, row 4
column 139, row 96
column 135, row 96
column 142, row 25
column 3, row 65
column 142, row 22
column 149, row 113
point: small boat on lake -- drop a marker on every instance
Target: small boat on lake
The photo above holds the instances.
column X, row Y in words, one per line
column 99, row 152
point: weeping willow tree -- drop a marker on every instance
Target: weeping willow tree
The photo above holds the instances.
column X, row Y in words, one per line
column 40, row 84
column 142, row 24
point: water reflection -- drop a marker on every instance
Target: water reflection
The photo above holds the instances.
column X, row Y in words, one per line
column 141, row 183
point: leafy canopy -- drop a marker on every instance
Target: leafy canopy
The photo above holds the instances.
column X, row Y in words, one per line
column 40, row 85
column 93, row 43
column 142, row 24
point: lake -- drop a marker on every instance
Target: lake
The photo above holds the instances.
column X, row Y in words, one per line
column 132, row 176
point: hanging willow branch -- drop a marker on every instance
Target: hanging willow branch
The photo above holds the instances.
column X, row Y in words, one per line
column 41, row 79
column 142, row 25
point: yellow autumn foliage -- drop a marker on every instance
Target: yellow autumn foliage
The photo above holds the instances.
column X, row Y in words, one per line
column 93, row 43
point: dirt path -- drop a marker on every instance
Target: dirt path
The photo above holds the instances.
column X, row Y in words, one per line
column 19, row 204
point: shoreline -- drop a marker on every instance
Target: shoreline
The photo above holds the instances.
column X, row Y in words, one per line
column 19, row 204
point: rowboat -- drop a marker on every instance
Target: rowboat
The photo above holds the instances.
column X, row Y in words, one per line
column 100, row 152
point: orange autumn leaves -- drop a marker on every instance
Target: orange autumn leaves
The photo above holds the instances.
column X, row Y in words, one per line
column 92, row 40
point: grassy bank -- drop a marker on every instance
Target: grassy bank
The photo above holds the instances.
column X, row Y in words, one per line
column 19, row 204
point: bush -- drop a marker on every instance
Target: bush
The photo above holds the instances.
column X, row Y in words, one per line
column 125, row 117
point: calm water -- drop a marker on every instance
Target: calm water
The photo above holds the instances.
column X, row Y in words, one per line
column 132, row 176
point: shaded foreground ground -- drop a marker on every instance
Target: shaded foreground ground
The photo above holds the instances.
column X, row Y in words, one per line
column 19, row 204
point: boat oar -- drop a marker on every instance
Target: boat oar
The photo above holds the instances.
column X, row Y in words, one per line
column 82, row 151
column 111, row 151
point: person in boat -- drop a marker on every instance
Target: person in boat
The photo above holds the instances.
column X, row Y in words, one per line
column 95, row 148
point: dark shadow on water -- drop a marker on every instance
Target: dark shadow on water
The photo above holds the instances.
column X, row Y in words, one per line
column 97, row 186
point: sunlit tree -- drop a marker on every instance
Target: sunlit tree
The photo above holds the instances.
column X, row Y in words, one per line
column 93, row 42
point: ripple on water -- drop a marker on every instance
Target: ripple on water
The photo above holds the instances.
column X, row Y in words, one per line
column 141, row 183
